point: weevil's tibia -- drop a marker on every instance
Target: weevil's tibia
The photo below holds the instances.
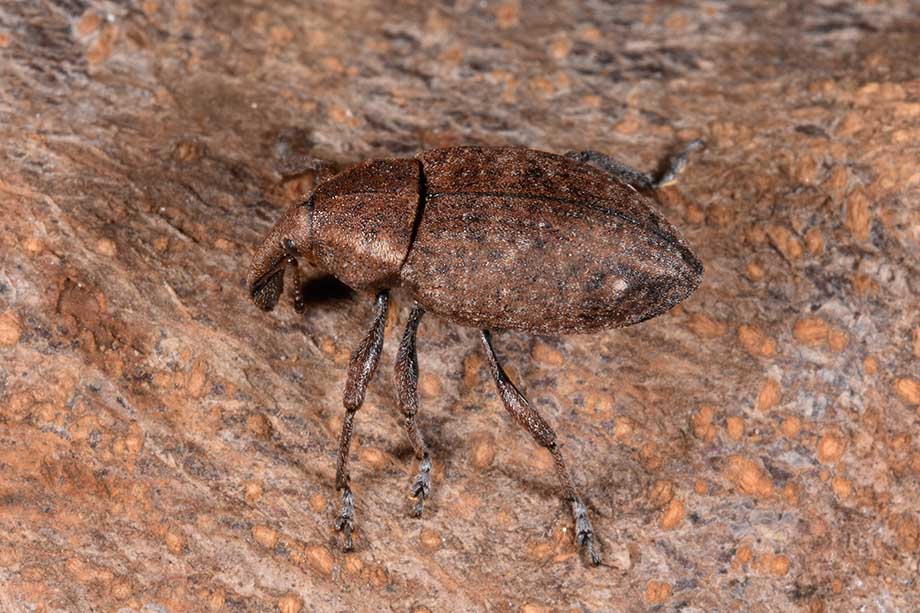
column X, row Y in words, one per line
column 407, row 398
column 625, row 173
column 629, row 175
column 361, row 369
column 527, row 416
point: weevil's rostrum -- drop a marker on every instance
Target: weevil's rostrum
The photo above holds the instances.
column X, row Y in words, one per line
column 489, row 237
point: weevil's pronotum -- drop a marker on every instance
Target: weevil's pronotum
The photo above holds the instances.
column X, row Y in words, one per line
column 490, row 237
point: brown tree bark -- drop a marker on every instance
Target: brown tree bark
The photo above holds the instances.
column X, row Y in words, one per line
column 164, row 444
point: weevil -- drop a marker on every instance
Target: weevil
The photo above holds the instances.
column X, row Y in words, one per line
column 490, row 237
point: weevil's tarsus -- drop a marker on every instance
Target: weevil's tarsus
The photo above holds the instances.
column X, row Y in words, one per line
column 407, row 398
column 421, row 487
column 361, row 369
column 516, row 404
column 345, row 523
column 677, row 163
column 638, row 179
column 584, row 534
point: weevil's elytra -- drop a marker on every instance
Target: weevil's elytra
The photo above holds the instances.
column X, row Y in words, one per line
column 490, row 237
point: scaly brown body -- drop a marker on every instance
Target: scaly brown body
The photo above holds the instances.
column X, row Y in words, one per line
column 491, row 237
column 534, row 241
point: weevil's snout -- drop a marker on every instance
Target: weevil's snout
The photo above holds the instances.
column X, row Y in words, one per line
column 266, row 273
column 279, row 250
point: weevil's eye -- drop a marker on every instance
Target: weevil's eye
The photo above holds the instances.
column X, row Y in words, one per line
column 289, row 246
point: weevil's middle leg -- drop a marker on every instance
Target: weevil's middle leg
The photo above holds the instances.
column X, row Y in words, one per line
column 527, row 416
column 637, row 178
column 361, row 369
column 407, row 397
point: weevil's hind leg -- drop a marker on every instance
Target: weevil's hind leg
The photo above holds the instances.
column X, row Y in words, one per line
column 407, row 397
column 636, row 178
column 626, row 174
column 678, row 162
column 527, row 416
column 361, row 369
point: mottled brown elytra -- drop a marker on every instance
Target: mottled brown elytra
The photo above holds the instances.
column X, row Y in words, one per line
column 490, row 237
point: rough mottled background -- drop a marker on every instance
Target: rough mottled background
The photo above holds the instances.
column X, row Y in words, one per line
column 164, row 446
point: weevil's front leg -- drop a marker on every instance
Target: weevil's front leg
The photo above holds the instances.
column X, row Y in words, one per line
column 527, row 416
column 636, row 178
column 361, row 369
column 407, row 397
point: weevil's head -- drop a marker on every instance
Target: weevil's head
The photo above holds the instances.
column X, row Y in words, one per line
column 288, row 240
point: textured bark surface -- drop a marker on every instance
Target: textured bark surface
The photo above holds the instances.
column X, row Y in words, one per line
column 164, row 445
